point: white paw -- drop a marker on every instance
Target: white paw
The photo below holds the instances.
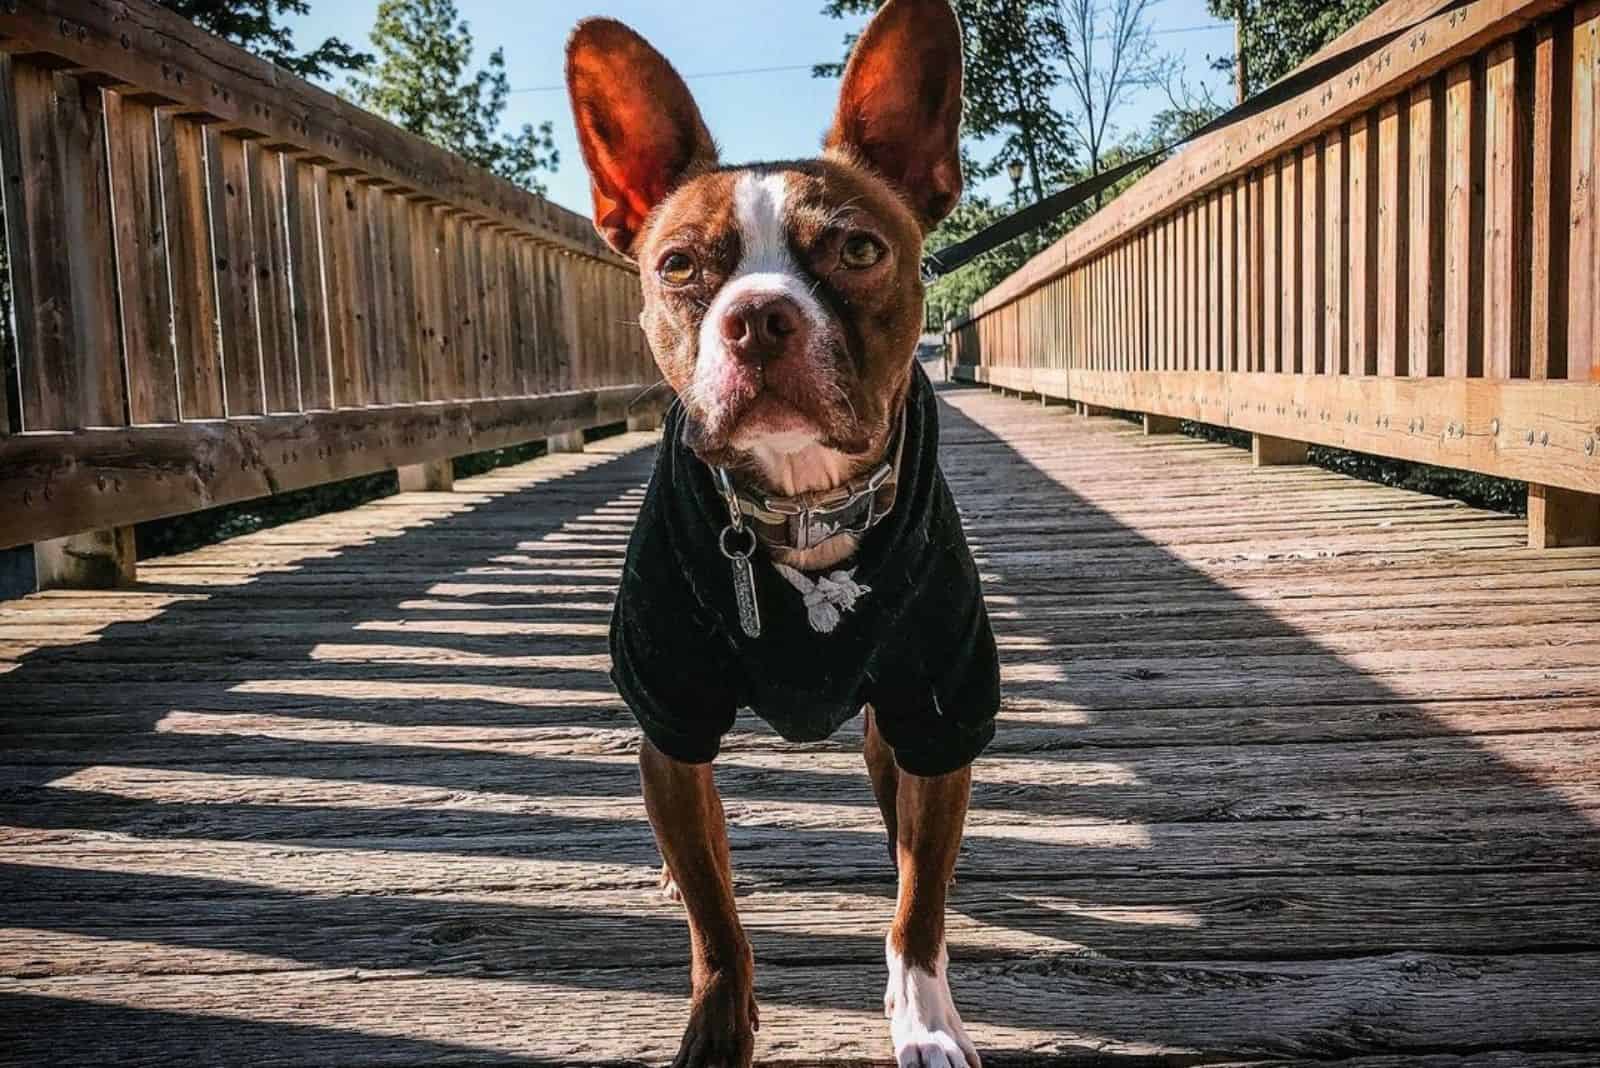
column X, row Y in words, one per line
column 668, row 886
column 923, row 1021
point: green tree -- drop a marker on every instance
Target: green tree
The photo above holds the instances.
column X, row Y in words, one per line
column 254, row 26
column 1014, row 55
column 424, row 81
column 1014, row 61
column 1276, row 36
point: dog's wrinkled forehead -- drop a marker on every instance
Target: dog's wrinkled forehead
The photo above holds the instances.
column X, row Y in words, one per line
column 769, row 218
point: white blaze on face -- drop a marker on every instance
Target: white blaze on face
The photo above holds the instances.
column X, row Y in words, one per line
column 766, row 268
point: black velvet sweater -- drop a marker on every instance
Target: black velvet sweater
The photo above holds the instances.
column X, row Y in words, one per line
column 917, row 646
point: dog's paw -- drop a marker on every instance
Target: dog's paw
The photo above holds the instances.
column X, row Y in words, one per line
column 923, row 1022
column 722, row 1024
column 668, row 886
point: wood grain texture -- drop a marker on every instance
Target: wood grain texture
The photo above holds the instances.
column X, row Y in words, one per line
column 1290, row 768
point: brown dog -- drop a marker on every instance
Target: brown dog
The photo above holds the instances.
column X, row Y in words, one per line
column 783, row 303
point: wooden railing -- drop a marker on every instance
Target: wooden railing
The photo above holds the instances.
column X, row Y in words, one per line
column 227, row 282
column 1403, row 261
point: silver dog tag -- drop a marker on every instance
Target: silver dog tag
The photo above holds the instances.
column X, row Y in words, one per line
column 744, row 591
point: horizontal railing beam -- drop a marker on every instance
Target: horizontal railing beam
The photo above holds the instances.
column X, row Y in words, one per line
column 1541, row 432
column 54, row 484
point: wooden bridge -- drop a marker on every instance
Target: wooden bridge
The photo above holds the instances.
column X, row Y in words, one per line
column 1292, row 768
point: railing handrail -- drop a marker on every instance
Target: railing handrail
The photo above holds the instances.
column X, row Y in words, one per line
column 1227, row 153
column 228, row 282
column 161, row 58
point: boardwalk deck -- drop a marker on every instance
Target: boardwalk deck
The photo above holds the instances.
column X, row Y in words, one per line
column 1291, row 768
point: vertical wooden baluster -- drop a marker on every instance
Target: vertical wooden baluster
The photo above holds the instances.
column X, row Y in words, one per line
column 350, row 308
column 312, row 331
column 1552, row 162
column 232, row 244
column 1361, row 250
column 1313, row 205
column 1425, row 206
column 58, row 215
column 1244, row 293
column 274, row 303
column 1505, row 239
column 1583, row 282
column 1335, row 233
column 1292, row 258
column 373, row 244
column 1463, row 319
column 190, row 258
column 1392, row 273
column 1227, row 309
column 143, row 279
column 1271, row 253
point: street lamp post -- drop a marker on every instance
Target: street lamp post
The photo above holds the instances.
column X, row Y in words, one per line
column 1014, row 169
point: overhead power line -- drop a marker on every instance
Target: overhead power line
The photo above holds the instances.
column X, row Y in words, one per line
column 743, row 71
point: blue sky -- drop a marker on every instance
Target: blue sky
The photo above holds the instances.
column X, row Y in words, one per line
column 772, row 115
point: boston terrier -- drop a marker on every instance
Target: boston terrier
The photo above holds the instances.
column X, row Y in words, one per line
column 798, row 553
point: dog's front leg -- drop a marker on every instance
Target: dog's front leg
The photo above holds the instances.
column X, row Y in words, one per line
column 923, row 1021
column 686, row 812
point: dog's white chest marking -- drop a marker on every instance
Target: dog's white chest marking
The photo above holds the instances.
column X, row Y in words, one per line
column 923, row 1021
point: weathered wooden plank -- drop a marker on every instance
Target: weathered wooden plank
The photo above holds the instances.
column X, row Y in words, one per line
column 1336, row 288
column 63, row 265
column 274, row 307
column 101, row 478
column 191, row 259
column 1361, row 244
column 1550, row 163
column 1273, row 266
column 143, row 281
column 1425, row 203
column 1313, row 276
column 1583, row 317
column 165, row 56
column 1508, row 144
column 307, row 235
column 1452, row 422
column 233, row 246
column 1394, row 227
column 1463, row 222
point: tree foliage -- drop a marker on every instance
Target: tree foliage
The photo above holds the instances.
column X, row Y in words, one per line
column 424, row 80
column 1280, row 34
column 255, row 26
column 1109, row 54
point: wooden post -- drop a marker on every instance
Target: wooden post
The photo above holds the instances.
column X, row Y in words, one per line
column 571, row 441
column 1561, row 517
column 645, row 419
column 96, row 560
column 1268, row 451
column 1087, row 410
column 431, row 476
column 1161, row 424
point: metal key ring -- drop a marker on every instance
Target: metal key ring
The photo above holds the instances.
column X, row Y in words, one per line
column 722, row 542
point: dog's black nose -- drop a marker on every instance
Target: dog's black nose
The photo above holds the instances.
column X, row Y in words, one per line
column 763, row 328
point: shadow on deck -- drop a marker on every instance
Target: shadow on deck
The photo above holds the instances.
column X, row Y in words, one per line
column 1290, row 768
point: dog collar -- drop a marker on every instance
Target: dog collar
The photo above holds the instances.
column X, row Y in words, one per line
column 806, row 520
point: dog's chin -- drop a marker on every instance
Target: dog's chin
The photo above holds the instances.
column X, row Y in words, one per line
column 764, row 422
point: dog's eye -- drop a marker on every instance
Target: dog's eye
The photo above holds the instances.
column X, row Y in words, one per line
column 860, row 251
column 676, row 269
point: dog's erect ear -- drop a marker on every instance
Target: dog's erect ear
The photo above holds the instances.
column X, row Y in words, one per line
column 900, row 104
column 639, row 129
